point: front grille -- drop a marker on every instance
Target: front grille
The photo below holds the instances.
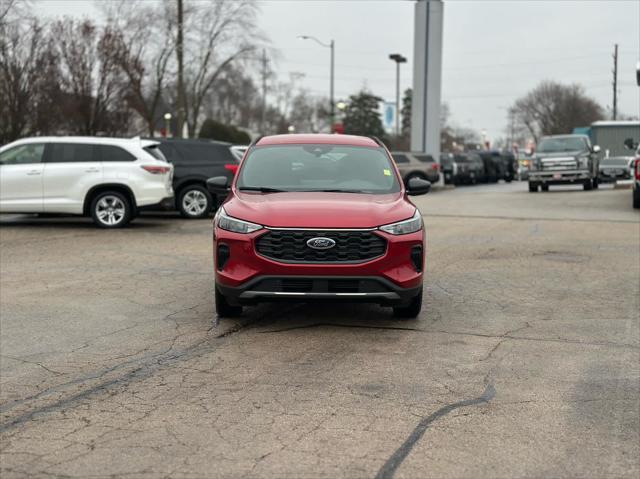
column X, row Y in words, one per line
column 297, row 285
column 290, row 246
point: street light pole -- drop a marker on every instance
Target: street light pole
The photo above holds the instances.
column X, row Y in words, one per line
column 396, row 57
column 167, row 125
column 330, row 45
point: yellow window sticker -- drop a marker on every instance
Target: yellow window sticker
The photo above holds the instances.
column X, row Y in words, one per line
column 387, row 172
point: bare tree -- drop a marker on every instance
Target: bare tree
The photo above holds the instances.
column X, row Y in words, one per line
column 215, row 35
column 91, row 77
column 28, row 80
column 552, row 108
column 13, row 10
column 234, row 99
column 143, row 52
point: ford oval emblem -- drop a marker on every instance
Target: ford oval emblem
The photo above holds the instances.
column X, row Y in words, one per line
column 321, row 243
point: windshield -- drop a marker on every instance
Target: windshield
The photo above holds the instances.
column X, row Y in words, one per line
column 556, row 145
column 345, row 169
column 614, row 161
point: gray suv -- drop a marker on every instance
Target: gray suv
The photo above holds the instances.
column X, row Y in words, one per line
column 416, row 165
column 564, row 160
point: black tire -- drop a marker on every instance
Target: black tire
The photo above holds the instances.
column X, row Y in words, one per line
column 636, row 198
column 224, row 309
column 533, row 187
column 587, row 186
column 596, row 183
column 544, row 187
column 110, row 209
column 194, row 202
column 411, row 310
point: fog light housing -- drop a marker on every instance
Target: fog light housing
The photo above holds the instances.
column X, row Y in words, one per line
column 417, row 257
column 222, row 256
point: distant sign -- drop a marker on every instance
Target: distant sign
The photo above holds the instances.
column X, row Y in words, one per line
column 389, row 116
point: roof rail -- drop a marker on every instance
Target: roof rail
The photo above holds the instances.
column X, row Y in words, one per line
column 377, row 140
column 255, row 142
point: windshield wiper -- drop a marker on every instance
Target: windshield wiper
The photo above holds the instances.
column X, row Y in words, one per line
column 261, row 189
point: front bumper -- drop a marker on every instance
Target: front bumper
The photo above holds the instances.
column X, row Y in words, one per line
column 560, row 176
column 605, row 177
column 243, row 266
column 366, row 289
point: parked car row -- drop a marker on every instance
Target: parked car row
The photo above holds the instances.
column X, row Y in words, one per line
column 478, row 167
column 108, row 179
column 112, row 179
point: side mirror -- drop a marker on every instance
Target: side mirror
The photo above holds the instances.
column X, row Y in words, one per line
column 418, row 186
column 218, row 184
column 629, row 144
column 596, row 149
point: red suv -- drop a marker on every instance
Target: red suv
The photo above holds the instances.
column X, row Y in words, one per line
column 318, row 217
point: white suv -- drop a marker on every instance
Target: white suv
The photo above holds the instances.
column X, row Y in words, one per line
column 105, row 178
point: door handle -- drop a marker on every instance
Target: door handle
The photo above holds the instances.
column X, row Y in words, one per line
column 34, row 172
column 92, row 170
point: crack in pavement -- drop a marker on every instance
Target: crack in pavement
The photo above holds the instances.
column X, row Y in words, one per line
column 35, row 363
column 505, row 337
column 145, row 366
column 388, row 470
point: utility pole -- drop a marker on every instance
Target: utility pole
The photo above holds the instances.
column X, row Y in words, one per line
column 180, row 54
column 264, row 91
column 615, row 81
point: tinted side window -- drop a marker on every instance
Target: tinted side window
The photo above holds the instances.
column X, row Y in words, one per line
column 23, row 154
column 203, row 154
column 156, row 152
column 400, row 158
column 169, row 153
column 112, row 153
column 71, row 153
column 425, row 158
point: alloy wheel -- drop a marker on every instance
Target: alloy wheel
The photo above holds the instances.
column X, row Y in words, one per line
column 194, row 202
column 110, row 210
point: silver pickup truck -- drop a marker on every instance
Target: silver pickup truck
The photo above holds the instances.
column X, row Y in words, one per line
column 564, row 160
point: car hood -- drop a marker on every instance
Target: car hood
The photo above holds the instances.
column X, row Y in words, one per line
column 319, row 210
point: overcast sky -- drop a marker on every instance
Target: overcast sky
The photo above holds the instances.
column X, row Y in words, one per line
column 494, row 51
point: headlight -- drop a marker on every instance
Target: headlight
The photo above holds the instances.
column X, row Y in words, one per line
column 583, row 162
column 404, row 227
column 234, row 225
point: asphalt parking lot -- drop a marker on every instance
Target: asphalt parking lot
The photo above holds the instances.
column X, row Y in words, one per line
column 525, row 361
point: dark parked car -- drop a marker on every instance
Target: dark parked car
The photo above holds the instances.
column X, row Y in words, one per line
column 416, row 165
column 498, row 165
column 615, row 168
column 194, row 162
column 462, row 168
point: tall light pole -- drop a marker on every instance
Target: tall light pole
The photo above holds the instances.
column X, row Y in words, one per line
column 167, row 125
column 330, row 45
column 396, row 57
